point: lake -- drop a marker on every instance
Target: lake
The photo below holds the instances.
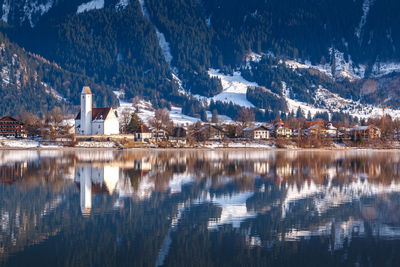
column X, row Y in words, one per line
column 199, row 208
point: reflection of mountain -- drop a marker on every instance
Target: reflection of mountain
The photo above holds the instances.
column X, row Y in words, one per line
column 170, row 207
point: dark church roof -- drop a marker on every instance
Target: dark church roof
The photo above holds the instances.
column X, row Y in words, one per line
column 97, row 114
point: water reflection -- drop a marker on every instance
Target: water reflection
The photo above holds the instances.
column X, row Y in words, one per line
column 212, row 207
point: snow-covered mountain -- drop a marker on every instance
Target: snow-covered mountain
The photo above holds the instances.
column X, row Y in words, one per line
column 327, row 57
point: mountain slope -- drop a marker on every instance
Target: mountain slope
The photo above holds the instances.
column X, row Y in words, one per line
column 348, row 48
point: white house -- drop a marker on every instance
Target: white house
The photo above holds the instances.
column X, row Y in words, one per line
column 95, row 121
column 256, row 132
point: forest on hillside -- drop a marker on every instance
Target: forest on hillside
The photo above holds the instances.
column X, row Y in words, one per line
column 112, row 49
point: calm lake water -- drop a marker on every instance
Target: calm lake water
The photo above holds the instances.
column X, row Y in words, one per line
column 199, row 208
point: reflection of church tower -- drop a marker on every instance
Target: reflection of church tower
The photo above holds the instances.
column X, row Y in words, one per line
column 86, row 189
column 97, row 180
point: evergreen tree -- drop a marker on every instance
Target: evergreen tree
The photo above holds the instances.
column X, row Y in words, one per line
column 134, row 124
column 299, row 113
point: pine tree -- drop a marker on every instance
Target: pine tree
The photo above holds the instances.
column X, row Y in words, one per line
column 309, row 118
column 299, row 113
column 134, row 124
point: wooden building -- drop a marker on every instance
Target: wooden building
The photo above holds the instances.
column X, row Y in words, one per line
column 10, row 127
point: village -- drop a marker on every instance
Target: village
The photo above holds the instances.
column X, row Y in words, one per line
column 104, row 128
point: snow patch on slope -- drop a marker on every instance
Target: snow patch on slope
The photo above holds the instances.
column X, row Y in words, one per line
column 6, row 10
column 32, row 8
column 294, row 105
column 234, row 89
column 347, row 69
column 327, row 101
column 343, row 69
column 95, row 4
column 121, row 4
column 365, row 7
column 146, row 111
column 160, row 36
column 385, row 68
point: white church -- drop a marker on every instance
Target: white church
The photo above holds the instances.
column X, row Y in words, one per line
column 95, row 121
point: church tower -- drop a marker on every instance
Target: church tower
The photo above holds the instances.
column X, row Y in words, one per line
column 86, row 111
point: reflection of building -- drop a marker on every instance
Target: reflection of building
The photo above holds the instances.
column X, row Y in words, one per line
column 261, row 167
column 101, row 179
column 10, row 173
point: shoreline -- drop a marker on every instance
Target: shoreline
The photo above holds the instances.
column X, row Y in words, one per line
column 194, row 149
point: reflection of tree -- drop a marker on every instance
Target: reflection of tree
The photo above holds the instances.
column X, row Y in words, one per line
column 310, row 198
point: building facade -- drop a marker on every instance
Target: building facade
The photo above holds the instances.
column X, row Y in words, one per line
column 95, row 121
column 10, row 127
column 256, row 132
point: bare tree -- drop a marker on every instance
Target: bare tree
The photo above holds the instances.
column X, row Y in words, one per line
column 245, row 116
column 162, row 115
column 161, row 120
column 125, row 119
column 55, row 123
column 32, row 123
column 214, row 118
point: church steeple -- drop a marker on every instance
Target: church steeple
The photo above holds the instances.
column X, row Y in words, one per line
column 86, row 110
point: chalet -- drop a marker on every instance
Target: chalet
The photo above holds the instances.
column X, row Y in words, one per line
column 331, row 130
column 256, row 132
column 10, row 127
column 158, row 134
column 143, row 134
column 209, row 132
column 316, row 130
column 95, row 121
column 281, row 130
column 366, row 132
column 178, row 136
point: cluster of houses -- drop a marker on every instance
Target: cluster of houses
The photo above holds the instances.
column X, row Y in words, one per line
column 104, row 121
column 278, row 130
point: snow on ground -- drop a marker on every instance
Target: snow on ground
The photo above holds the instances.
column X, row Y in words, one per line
column 263, row 145
column 160, row 36
column 51, row 91
column 331, row 102
column 24, row 143
column 18, row 143
column 293, row 105
column 121, row 4
column 146, row 111
column 363, row 111
column 221, row 118
column 365, row 7
column 343, row 69
column 254, row 57
column 6, row 10
column 234, row 89
column 94, row 4
column 180, row 119
column 384, row 68
column 93, row 144
column 347, row 69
